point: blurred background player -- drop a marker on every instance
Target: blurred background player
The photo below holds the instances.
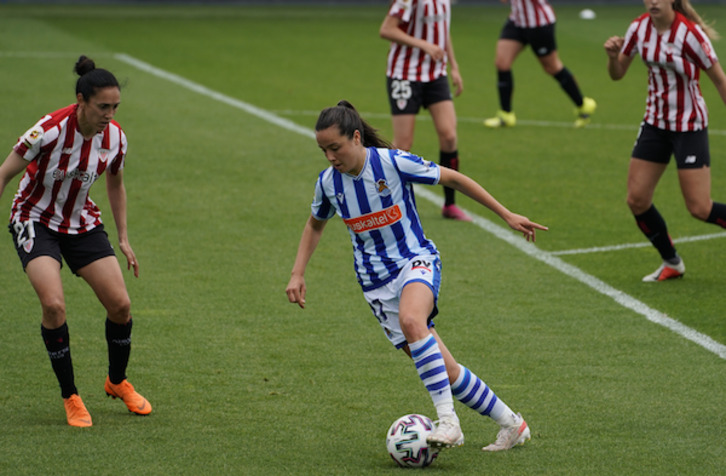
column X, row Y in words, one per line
column 674, row 43
column 420, row 51
column 53, row 218
column 532, row 22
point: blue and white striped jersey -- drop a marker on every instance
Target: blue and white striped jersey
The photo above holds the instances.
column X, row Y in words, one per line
column 379, row 208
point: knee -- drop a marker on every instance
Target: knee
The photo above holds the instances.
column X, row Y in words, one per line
column 54, row 312
column 638, row 205
column 448, row 140
column 700, row 211
column 119, row 311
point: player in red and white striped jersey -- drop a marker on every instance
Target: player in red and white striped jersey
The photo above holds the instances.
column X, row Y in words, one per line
column 53, row 218
column 673, row 41
column 420, row 52
column 532, row 22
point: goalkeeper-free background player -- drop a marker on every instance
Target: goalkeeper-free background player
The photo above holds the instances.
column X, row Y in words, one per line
column 53, row 219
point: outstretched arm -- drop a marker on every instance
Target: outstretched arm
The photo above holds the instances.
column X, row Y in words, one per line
column 309, row 240
column 456, row 180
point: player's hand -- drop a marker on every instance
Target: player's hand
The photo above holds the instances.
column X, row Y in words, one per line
column 131, row 261
column 296, row 290
column 457, row 82
column 526, row 226
column 434, row 51
column 613, row 45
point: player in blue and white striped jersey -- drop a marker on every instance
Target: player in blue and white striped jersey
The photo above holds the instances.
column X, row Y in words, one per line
column 370, row 186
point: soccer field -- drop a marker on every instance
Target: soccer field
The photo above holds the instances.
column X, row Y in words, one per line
column 614, row 376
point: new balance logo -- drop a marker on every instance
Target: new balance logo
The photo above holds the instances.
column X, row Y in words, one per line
column 691, row 159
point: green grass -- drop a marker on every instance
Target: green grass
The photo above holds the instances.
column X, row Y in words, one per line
column 243, row 382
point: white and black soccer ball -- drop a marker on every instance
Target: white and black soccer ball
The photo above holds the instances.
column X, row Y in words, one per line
column 406, row 441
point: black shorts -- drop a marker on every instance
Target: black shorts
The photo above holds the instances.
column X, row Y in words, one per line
column 32, row 240
column 407, row 97
column 657, row 145
column 541, row 39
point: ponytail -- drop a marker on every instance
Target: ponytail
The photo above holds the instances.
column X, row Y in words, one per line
column 345, row 116
column 92, row 78
column 686, row 9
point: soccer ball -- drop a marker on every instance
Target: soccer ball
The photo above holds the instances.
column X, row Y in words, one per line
column 406, row 441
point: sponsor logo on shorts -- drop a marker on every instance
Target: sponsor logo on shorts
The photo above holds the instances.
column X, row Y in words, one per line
column 375, row 220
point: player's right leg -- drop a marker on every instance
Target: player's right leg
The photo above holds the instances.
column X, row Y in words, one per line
column 44, row 275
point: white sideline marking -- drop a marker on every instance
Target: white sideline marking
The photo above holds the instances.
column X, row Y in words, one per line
column 504, row 234
column 643, row 244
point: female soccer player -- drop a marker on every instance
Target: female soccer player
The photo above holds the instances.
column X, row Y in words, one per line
column 420, row 51
column 371, row 187
column 674, row 44
column 532, row 22
column 52, row 216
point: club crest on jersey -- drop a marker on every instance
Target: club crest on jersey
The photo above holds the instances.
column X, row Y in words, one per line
column 383, row 189
column 401, row 103
column 103, row 154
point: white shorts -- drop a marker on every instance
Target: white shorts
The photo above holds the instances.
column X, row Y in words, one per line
column 384, row 301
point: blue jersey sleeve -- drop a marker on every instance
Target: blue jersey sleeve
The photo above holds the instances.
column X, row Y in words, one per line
column 321, row 207
column 415, row 169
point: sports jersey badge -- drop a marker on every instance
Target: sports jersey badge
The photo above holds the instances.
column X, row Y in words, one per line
column 32, row 137
column 383, row 189
column 401, row 103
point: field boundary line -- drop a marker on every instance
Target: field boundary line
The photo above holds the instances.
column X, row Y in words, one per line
column 503, row 234
column 642, row 244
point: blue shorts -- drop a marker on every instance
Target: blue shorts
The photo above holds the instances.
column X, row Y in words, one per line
column 407, row 97
column 541, row 39
column 690, row 148
column 385, row 301
column 32, row 240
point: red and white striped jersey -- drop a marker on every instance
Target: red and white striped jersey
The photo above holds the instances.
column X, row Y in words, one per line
column 63, row 166
column 531, row 13
column 674, row 60
column 425, row 19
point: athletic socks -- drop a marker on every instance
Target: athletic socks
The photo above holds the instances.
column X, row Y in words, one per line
column 569, row 85
column 718, row 215
column 451, row 161
column 57, row 343
column 474, row 393
column 432, row 370
column 653, row 226
column 118, row 337
column 505, row 86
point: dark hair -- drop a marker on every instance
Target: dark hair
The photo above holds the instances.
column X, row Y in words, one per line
column 92, row 78
column 348, row 121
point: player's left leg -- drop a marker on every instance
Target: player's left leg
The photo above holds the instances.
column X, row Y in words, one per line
column 473, row 392
column 553, row 66
column 696, row 189
column 105, row 278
